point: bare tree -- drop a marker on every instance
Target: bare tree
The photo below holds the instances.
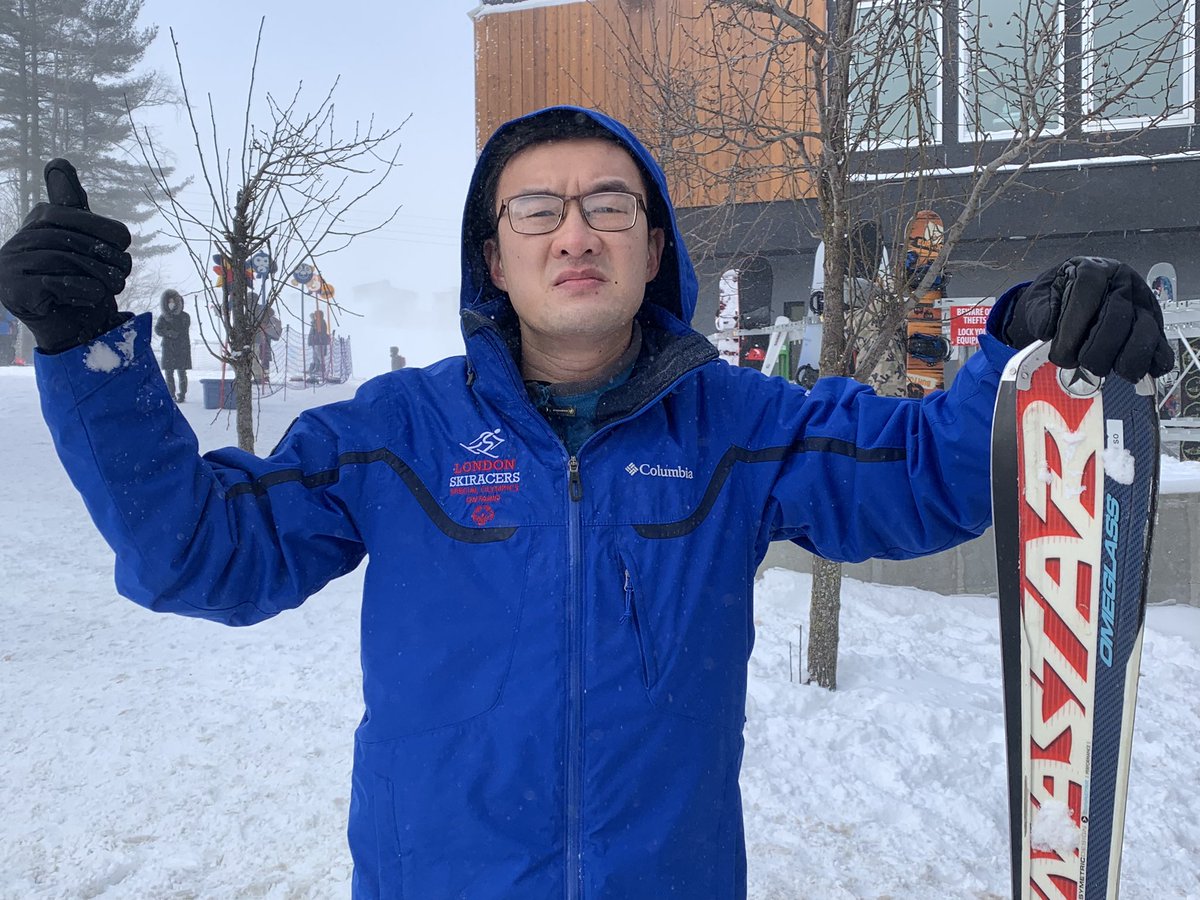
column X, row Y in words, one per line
column 284, row 191
column 836, row 103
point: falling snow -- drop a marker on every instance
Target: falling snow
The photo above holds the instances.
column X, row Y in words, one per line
column 149, row 756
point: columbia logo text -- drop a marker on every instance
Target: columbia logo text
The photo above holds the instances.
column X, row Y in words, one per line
column 656, row 471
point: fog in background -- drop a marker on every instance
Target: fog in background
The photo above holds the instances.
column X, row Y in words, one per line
column 399, row 285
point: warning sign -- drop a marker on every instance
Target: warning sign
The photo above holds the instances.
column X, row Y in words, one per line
column 967, row 323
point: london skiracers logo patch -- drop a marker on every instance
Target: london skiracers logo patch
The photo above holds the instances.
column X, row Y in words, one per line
column 483, row 483
column 485, row 444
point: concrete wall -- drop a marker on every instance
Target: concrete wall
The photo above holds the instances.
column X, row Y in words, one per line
column 971, row 567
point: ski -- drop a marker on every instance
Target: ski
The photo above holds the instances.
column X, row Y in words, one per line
column 1074, row 482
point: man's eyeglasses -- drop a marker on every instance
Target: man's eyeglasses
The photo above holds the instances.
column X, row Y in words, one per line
column 543, row 213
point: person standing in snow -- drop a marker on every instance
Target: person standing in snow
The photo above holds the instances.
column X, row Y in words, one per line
column 269, row 330
column 318, row 344
column 174, row 326
column 563, row 525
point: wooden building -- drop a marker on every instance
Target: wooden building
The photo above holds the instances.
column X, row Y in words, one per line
column 1116, row 189
column 535, row 53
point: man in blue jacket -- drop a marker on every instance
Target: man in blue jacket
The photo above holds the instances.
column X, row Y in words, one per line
column 563, row 525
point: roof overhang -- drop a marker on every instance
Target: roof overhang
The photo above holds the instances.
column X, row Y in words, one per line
column 490, row 9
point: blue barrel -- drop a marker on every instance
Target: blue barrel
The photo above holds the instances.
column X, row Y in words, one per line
column 218, row 393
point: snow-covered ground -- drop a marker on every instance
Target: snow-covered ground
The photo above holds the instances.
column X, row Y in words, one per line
column 1176, row 477
column 161, row 758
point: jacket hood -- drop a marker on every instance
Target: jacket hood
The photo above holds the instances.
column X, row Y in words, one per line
column 169, row 295
column 673, row 289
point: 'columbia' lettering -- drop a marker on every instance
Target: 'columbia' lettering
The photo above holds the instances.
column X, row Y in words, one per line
column 663, row 471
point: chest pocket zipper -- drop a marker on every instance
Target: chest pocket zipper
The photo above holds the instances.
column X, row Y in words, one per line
column 631, row 618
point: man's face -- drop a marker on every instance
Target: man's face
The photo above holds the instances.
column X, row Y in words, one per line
column 574, row 282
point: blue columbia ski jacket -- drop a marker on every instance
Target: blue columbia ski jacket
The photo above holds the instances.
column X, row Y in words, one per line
column 554, row 648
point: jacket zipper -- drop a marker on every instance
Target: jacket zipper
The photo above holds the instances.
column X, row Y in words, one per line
column 574, row 649
column 575, row 687
column 630, row 616
column 574, row 748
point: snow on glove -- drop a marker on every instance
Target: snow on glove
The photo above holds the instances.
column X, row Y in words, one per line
column 1098, row 314
column 61, row 272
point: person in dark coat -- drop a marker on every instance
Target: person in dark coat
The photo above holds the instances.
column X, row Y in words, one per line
column 174, row 326
column 318, row 342
column 269, row 330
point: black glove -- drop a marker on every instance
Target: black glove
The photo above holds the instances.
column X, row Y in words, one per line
column 1098, row 314
column 61, row 272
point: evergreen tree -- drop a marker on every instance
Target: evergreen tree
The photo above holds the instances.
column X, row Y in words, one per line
column 28, row 29
column 67, row 86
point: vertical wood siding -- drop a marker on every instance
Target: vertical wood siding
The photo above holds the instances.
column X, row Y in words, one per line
column 584, row 54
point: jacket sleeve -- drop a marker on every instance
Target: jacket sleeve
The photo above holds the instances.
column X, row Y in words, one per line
column 864, row 476
column 227, row 536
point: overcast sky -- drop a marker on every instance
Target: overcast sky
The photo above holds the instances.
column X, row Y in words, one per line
column 394, row 59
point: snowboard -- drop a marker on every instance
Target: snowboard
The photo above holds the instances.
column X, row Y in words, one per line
column 1183, row 393
column 862, row 271
column 808, row 356
column 816, row 299
column 1074, row 481
column 864, row 267
column 866, row 250
column 755, row 292
column 728, row 318
column 924, row 236
column 1162, row 281
column 1189, row 397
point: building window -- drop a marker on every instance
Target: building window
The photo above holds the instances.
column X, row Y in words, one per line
column 1010, row 68
column 896, row 74
column 1138, row 62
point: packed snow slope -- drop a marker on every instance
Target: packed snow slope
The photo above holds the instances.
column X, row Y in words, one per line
column 161, row 758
